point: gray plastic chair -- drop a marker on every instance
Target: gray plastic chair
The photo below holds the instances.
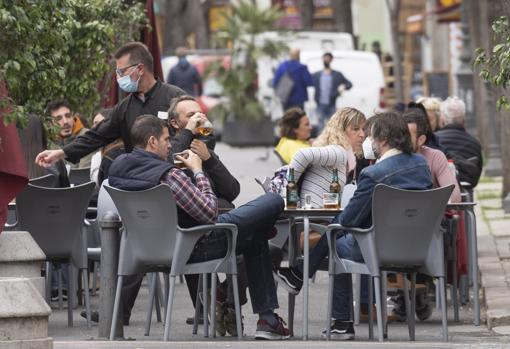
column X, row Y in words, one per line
column 153, row 242
column 54, row 217
column 48, row 180
column 406, row 237
column 79, row 176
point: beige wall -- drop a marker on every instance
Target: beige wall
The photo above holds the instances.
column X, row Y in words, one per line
column 371, row 22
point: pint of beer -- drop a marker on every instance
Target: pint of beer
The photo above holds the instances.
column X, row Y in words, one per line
column 206, row 128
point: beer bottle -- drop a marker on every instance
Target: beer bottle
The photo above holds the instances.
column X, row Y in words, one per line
column 333, row 200
column 292, row 190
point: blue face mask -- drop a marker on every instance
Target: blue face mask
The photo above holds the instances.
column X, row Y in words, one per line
column 128, row 85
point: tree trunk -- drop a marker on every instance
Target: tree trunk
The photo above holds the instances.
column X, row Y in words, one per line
column 394, row 9
column 306, row 9
column 174, row 35
column 342, row 13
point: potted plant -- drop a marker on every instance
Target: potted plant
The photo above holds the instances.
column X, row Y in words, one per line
column 245, row 122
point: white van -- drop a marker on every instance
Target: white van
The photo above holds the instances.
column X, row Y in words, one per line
column 362, row 68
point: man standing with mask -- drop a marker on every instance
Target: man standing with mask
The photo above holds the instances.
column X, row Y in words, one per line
column 389, row 141
column 328, row 84
column 147, row 95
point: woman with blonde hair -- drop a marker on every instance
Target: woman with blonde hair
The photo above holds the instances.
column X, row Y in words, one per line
column 335, row 147
column 432, row 106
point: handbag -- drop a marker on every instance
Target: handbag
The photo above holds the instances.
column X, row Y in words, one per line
column 284, row 87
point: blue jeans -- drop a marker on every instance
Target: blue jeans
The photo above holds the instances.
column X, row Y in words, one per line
column 347, row 248
column 324, row 112
column 253, row 220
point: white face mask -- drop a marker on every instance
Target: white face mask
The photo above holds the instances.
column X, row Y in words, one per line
column 368, row 149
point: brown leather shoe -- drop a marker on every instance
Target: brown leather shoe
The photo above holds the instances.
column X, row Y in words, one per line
column 363, row 315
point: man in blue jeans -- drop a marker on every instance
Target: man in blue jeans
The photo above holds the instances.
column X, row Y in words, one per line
column 328, row 84
column 146, row 167
column 389, row 142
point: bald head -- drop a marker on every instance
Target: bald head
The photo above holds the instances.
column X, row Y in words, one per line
column 294, row 54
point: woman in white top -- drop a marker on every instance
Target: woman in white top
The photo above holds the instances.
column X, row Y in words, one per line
column 335, row 147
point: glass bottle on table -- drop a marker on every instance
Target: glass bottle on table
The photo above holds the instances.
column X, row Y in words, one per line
column 292, row 190
column 332, row 198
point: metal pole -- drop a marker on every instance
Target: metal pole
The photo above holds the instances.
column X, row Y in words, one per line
column 110, row 246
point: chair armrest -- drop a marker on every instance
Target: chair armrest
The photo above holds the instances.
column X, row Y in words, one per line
column 188, row 237
column 333, row 230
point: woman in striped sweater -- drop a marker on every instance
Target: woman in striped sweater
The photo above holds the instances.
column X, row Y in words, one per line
column 335, row 147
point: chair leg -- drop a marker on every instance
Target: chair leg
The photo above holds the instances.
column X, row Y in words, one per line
column 167, row 288
column 370, row 306
column 205, row 305
column 48, row 282
column 443, row 308
column 59, row 278
column 85, row 274
column 379, row 306
column 356, row 294
column 157, row 296
column 408, row 305
column 181, row 279
column 384, row 296
column 454, row 288
column 198, row 304
column 213, row 305
column 168, row 317
column 71, row 292
column 116, row 307
column 438, row 299
column 329, row 310
column 94, row 278
column 237, row 305
column 292, row 304
column 152, row 294
column 412, row 319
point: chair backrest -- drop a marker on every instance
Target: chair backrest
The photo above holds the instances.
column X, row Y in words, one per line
column 405, row 224
column 149, row 218
column 105, row 202
column 79, row 176
column 54, row 217
column 48, row 181
column 264, row 184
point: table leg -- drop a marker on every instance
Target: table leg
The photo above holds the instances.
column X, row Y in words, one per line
column 471, row 229
column 306, row 266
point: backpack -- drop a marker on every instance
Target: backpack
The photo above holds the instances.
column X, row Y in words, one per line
column 284, row 87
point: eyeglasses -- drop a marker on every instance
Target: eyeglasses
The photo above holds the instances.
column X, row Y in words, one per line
column 58, row 118
column 122, row 71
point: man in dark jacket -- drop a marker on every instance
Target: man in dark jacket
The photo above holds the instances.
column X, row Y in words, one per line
column 184, row 75
column 147, row 167
column 328, row 85
column 301, row 79
column 464, row 149
column 184, row 118
column 147, row 95
column 390, row 142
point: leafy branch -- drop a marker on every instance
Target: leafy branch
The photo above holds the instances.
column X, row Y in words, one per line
column 496, row 64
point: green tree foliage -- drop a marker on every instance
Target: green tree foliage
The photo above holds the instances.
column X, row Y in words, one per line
column 496, row 64
column 61, row 49
column 239, row 81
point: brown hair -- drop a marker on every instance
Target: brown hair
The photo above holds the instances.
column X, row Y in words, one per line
column 290, row 122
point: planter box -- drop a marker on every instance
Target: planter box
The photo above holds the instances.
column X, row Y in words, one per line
column 241, row 133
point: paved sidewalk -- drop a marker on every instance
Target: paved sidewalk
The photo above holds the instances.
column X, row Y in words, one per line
column 245, row 165
column 494, row 254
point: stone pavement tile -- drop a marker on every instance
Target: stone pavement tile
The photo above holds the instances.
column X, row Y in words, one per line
column 504, row 330
column 492, row 203
column 503, row 246
column 500, row 228
column 493, row 214
column 498, row 317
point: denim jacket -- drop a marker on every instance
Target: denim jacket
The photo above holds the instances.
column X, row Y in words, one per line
column 402, row 171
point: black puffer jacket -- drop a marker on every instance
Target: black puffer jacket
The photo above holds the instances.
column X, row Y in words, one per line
column 464, row 149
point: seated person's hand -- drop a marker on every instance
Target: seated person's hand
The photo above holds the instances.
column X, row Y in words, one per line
column 194, row 121
column 199, row 148
column 192, row 161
